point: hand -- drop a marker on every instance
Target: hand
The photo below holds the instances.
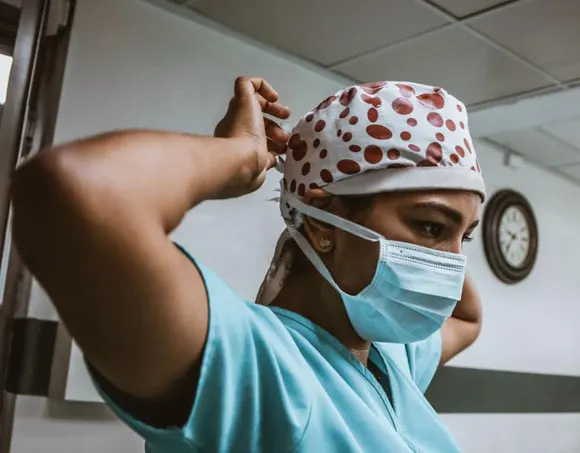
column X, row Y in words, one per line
column 261, row 137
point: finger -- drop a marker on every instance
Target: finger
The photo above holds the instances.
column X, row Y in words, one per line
column 247, row 86
column 275, row 133
column 271, row 160
column 277, row 110
column 274, row 147
column 274, row 109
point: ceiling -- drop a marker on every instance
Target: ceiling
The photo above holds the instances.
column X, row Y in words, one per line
column 521, row 56
column 553, row 145
column 483, row 51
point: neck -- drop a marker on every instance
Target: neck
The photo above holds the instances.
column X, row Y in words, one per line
column 311, row 296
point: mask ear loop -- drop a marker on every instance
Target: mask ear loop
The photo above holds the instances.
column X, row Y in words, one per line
column 311, row 255
column 332, row 219
column 323, row 216
column 280, row 163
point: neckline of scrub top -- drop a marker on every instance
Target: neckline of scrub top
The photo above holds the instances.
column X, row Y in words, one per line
column 323, row 334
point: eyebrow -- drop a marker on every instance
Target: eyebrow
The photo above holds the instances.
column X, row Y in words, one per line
column 452, row 214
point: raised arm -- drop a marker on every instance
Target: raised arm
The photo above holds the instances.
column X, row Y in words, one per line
column 462, row 329
column 92, row 218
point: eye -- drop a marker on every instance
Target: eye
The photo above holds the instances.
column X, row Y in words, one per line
column 467, row 238
column 431, row 230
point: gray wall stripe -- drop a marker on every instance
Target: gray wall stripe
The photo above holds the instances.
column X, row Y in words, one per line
column 470, row 390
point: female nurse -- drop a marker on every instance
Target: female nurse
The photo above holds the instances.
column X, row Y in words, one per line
column 381, row 188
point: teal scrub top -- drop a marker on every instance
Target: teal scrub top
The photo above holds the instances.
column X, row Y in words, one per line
column 272, row 381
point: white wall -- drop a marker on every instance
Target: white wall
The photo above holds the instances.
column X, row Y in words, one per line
column 132, row 65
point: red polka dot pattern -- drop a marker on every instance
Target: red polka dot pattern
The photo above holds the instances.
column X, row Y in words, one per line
column 347, row 96
column 373, row 154
column 319, row 126
column 299, row 149
column 348, row 167
column 402, row 106
column 378, row 125
column 406, row 90
column 374, row 101
column 467, row 145
column 427, row 163
column 393, row 154
column 324, row 104
column 434, row 152
column 373, row 88
column 326, row 176
column 379, row 132
column 432, row 100
column 435, row 119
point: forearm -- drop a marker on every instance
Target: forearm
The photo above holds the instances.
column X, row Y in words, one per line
column 468, row 309
column 157, row 175
column 462, row 329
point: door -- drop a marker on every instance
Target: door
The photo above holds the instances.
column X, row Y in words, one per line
column 22, row 25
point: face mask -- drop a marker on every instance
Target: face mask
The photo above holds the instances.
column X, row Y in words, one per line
column 414, row 289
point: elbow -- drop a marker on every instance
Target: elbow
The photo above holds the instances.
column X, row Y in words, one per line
column 38, row 194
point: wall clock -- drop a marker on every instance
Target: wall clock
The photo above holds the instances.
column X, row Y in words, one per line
column 510, row 236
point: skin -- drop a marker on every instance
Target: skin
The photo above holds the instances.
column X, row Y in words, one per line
column 92, row 219
column 441, row 220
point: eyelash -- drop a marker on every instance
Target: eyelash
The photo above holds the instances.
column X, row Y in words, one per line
column 423, row 226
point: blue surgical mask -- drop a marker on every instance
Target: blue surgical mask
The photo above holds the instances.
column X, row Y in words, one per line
column 414, row 289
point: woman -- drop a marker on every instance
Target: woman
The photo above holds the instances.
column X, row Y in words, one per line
column 381, row 188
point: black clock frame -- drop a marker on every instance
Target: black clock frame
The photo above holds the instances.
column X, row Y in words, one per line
column 494, row 210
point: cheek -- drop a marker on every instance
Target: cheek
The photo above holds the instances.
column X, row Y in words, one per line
column 355, row 262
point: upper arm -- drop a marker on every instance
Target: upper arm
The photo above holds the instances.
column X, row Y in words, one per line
column 134, row 303
column 252, row 389
column 424, row 357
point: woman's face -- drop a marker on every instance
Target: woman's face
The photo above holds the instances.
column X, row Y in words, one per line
column 441, row 220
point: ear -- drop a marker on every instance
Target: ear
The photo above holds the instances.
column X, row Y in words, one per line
column 321, row 235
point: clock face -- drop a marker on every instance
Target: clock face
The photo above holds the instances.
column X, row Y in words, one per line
column 510, row 236
column 514, row 236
